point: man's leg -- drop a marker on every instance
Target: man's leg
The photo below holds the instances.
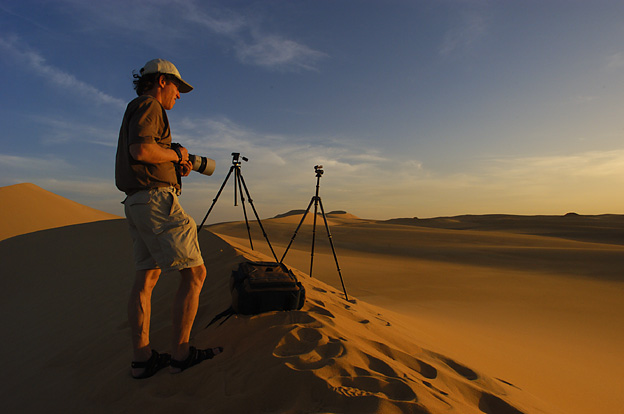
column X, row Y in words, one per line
column 139, row 314
column 185, row 309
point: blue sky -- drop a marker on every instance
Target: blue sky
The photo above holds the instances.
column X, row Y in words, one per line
column 415, row 108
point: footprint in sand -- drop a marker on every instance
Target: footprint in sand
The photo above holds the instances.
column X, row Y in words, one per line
column 321, row 311
column 462, row 370
column 421, row 367
column 491, row 404
column 308, row 348
column 389, row 388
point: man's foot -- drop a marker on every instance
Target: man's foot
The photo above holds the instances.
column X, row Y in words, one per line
column 145, row 369
column 195, row 357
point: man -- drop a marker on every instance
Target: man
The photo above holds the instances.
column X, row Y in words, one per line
column 147, row 169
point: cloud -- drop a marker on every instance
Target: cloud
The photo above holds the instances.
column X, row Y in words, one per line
column 275, row 52
column 33, row 164
column 593, row 164
column 219, row 134
column 282, row 161
column 471, row 28
column 36, row 63
column 252, row 45
column 181, row 22
column 219, row 21
column 59, row 131
column 585, row 182
column 584, row 99
column 615, row 62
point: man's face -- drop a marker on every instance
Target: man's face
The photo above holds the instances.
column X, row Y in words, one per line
column 169, row 94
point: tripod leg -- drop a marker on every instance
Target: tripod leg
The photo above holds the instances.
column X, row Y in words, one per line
column 243, row 185
column 331, row 243
column 240, row 188
column 227, row 177
column 297, row 229
column 316, row 199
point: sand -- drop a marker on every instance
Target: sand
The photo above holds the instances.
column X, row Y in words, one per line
column 486, row 319
column 26, row 208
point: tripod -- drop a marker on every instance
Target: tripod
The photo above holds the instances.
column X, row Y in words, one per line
column 317, row 201
column 239, row 183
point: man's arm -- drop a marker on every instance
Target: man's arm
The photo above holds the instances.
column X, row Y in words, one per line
column 155, row 154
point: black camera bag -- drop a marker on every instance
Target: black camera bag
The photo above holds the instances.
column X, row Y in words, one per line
column 259, row 287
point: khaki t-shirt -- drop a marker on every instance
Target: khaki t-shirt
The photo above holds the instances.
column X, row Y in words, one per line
column 145, row 122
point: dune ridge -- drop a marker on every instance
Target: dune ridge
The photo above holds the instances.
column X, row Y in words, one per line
column 26, row 208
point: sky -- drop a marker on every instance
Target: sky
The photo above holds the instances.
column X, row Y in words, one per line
column 420, row 108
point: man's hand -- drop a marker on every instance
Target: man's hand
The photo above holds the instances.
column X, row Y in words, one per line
column 186, row 167
column 185, row 155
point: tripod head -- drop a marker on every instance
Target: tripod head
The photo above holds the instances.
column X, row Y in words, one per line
column 318, row 170
column 235, row 158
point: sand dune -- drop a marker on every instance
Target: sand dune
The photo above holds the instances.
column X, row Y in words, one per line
column 526, row 300
column 529, row 325
column 66, row 316
column 295, row 216
column 605, row 228
column 26, row 208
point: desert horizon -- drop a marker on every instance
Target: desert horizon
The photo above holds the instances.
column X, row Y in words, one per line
column 485, row 314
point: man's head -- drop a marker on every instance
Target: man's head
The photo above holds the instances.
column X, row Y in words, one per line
column 164, row 67
column 161, row 79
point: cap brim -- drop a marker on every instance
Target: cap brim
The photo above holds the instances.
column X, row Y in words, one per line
column 184, row 87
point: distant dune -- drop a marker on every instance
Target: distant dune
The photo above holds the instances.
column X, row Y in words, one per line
column 440, row 320
column 25, row 208
column 294, row 216
column 605, row 228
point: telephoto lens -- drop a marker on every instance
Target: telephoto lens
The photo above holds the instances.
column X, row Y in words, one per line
column 202, row 165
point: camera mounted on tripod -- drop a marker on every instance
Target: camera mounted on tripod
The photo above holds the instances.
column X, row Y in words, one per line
column 235, row 158
column 318, row 170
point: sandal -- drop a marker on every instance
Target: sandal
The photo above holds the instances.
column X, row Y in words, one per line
column 195, row 357
column 153, row 365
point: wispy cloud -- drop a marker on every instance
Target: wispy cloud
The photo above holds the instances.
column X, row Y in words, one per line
column 36, row 63
column 182, row 21
column 471, row 28
column 252, row 44
column 592, row 164
column 287, row 160
column 275, row 52
column 219, row 134
column 20, row 169
column 59, row 131
column 615, row 62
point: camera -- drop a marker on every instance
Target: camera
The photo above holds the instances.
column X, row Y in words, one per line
column 202, row 165
column 236, row 158
column 318, row 170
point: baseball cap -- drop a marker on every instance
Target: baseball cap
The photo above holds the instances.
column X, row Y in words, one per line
column 166, row 67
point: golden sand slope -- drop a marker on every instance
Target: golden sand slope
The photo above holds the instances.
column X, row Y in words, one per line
column 472, row 321
column 25, row 208
column 69, row 350
column 533, row 300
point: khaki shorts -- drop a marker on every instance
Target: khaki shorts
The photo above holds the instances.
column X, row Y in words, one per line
column 164, row 236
